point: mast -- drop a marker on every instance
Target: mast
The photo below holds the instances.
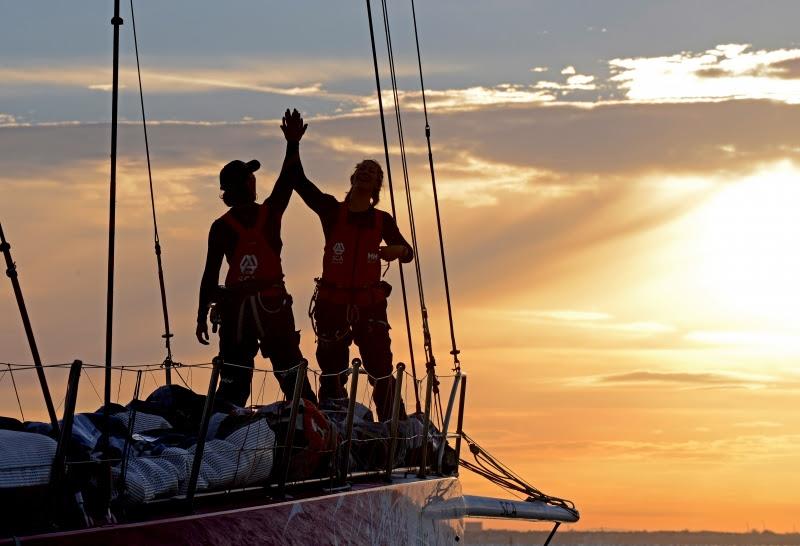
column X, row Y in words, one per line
column 11, row 271
column 116, row 22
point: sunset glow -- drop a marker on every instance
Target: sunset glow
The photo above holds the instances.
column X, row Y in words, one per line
column 747, row 234
column 620, row 196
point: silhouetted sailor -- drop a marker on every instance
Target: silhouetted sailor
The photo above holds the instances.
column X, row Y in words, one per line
column 350, row 304
column 255, row 309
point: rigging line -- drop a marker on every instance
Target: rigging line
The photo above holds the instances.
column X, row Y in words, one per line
column 119, row 385
column 495, row 471
column 391, row 194
column 94, row 388
column 157, row 241
column 430, row 360
column 455, row 351
column 16, row 392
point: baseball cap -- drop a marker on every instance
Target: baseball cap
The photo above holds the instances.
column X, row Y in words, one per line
column 236, row 172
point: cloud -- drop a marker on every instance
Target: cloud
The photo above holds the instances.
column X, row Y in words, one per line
column 590, row 320
column 163, row 76
column 692, row 380
column 738, row 448
column 759, row 424
column 742, row 338
column 727, row 72
column 568, row 315
column 741, row 449
column 541, row 200
column 460, row 100
column 7, row 120
column 345, row 144
column 476, row 181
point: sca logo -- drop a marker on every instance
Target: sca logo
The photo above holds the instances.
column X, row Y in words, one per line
column 249, row 264
column 372, row 257
column 338, row 253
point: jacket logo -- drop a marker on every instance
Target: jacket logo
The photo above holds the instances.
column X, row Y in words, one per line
column 338, row 253
column 249, row 264
column 372, row 257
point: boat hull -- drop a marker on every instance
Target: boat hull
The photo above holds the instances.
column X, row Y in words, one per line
column 404, row 512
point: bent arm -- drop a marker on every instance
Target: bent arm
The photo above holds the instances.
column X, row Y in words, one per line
column 392, row 236
column 210, row 279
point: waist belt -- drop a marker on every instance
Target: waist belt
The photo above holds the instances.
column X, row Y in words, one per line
column 359, row 295
column 322, row 283
column 256, row 286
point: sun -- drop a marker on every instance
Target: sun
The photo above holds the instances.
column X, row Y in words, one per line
column 748, row 242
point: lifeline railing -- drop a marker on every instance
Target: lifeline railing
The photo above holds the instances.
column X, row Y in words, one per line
column 416, row 446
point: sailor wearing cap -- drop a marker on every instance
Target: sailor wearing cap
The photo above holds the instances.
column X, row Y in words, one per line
column 254, row 307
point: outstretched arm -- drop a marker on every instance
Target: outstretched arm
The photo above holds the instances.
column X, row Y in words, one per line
column 209, row 283
column 397, row 248
column 293, row 129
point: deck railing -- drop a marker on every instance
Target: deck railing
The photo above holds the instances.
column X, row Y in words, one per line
column 416, row 446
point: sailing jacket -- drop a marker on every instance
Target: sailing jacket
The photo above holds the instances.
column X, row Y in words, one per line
column 252, row 261
column 351, row 260
column 351, row 265
column 223, row 237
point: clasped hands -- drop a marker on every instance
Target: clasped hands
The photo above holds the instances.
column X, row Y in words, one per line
column 292, row 126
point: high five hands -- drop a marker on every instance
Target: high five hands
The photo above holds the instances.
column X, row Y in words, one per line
column 292, row 126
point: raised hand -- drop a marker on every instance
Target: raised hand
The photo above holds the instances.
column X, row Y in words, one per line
column 292, row 126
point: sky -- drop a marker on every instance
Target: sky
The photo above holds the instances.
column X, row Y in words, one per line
column 617, row 183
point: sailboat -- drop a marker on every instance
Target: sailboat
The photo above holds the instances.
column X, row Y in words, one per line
column 410, row 492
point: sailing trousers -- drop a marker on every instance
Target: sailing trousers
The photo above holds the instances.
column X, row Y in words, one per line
column 337, row 326
column 256, row 321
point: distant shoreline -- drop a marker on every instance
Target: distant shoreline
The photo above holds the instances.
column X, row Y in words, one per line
column 476, row 535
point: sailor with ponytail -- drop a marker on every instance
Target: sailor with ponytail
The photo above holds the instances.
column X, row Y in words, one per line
column 351, row 299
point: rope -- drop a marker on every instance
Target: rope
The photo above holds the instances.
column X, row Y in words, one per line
column 119, row 385
column 182, row 379
column 426, row 335
column 168, row 364
column 454, row 351
column 94, row 388
column 16, row 392
column 496, row 472
column 391, row 192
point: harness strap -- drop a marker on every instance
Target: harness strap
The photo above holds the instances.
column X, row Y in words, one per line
column 240, row 228
column 256, row 318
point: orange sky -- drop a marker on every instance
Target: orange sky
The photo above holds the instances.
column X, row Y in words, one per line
column 624, row 274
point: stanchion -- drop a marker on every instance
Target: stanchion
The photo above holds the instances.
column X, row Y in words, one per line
column 446, row 423
column 201, row 437
column 351, row 410
column 460, row 425
column 11, row 272
column 123, row 472
column 286, row 456
column 65, row 434
column 426, row 423
column 398, row 385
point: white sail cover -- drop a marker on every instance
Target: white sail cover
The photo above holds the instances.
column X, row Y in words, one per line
column 25, row 458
